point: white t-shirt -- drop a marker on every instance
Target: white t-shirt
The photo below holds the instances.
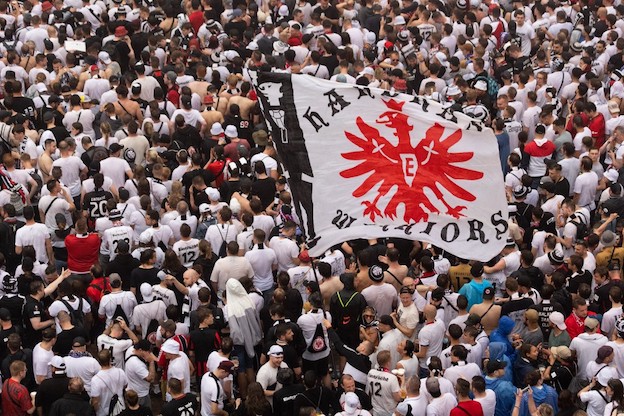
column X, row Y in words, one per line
column 286, row 250
column 34, row 235
column 137, row 370
column 462, row 370
column 380, row 386
column 418, row 406
column 58, row 306
column 585, row 186
column 267, row 377
column 432, row 336
column 596, row 403
column 71, row 166
column 380, row 297
column 211, row 392
column 83, row 367
column 187, row 251
column 488, row 403
column 218, row 233
column 113, row 236
column 115, row 168
column 299, row 275
column 41, row 361
column 59, row 206
column 527, row 34
column 144, row 313
column 262, row 261
column 443, row 405
column 179, row 368
column 105, row 385
column 117, row 347
column 109, row 303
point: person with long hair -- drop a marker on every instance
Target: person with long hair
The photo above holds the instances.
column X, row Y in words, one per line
column 206, row 259
column 615, row 389
column 408, row 362
column 107, row 138
column 255, row 404
column 242, row 317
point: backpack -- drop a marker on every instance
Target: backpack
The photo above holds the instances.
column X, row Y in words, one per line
column 318, row 344
column 115, row 407
column 110, row 47
column 97, row 153
column 582, row 231
column 76, row 315
column 202, row 227
column 103, row 291
column 151, row 331
column 37, row 178
column 492, row 85
column 9, row 46
column 119, row 313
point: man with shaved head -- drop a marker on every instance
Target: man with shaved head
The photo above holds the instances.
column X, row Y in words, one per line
column 430, row 338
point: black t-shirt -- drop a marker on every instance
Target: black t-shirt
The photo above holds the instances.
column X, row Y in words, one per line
column 141, row 411
column 123, row 265
column 227, row 188
column 15, row 305
column 203, row 342
column 25, row 106
column 187, row 178
column 50, row 390
column 186, row 405
column 575, row 281
column 544, row 310
column 284, row 399
column 265, row 190
column 562, row 188
column 240, row 26
column 65, row 339
column 33, row 309
column 4, row 338
column 140, row 276
column 95, row 204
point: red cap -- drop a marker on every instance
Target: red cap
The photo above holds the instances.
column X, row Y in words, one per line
column 46, row 5
column 492, row 7
column 121, row 31
column 94, row 68
column 304, row 256
column 294, row 41
column 388, row 45
column 208, row 99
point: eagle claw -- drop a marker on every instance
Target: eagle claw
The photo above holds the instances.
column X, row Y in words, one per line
column 456, row 211
column 371, row 209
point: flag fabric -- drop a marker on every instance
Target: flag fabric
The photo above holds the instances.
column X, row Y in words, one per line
column 367, row 163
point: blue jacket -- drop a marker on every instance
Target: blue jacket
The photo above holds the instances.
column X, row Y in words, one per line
column 505, row 395
column 546, row 395
column 501, row 334
column 497, row 352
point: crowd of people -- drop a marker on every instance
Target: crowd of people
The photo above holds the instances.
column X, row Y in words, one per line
column 152, row 259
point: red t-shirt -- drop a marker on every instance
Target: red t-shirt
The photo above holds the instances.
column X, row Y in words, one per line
column 82, row 252
column 96, row 294
column 577, row 326
column 196, row 19
column 468, row 408
column 598, row 129
column 15, row 399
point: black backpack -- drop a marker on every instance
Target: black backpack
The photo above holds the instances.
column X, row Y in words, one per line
column 76, row 315
column 319, row 343
column 119, row 313
column 582, row 231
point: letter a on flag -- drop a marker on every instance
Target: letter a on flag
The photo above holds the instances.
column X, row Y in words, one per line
column 365, row 163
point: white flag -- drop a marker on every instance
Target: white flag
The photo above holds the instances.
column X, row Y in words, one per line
column 365, row 163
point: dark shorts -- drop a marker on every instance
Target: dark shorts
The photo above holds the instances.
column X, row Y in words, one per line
column 244, row 360
column 320, row 367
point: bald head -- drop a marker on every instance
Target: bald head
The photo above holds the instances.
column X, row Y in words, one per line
column 430, row 312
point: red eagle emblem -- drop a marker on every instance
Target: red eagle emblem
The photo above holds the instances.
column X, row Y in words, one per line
column 430, row 164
